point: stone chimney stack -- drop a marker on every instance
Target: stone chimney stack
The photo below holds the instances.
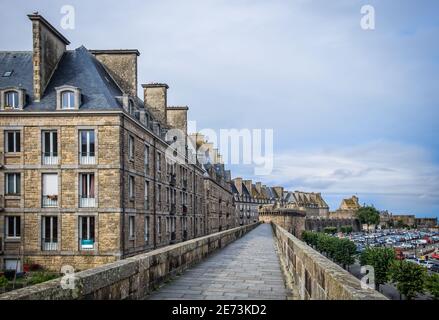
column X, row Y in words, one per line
column 155, row 98
column 248, row 185
column 238, row 184
column 121, row 64
column 177, row 119
column 49, row 46
column 258, row 186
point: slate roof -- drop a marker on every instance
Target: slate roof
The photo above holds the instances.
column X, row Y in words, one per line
column 77, row 68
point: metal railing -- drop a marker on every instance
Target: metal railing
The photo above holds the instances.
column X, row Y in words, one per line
column 87, row 158
column 50, row 201
column 47, row 245
column 50, row 158
column 87, row 202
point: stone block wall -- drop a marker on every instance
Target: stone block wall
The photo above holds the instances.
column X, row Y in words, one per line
column 135, row 277
column 315, row 276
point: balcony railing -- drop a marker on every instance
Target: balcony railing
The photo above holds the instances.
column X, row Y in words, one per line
column 50, row 201
column 86, row 244
column 87, row 202
column 87, row 158
column 50, row 158
column 48, row 245
column 173, row 209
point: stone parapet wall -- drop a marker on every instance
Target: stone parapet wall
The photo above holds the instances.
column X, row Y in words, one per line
column 135, row 277
column 315, row 276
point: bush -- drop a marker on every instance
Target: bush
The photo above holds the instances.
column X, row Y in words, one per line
column 346, row 229
column 330, row 230
column 39, row 277
column 3, row 281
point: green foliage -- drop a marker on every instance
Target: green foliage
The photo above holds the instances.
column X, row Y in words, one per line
column 432, row 285
column 409, row 278
column 340, row 250
column 330, row 230
column 368, row 215
column 3, row 281
column 381, row 259
column 346, row 229
column 39, row 277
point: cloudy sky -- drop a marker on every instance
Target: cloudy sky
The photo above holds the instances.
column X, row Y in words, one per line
column 353, row 111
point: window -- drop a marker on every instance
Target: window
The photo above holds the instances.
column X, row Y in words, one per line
column 13, row 264
column 131, row 147
column 132, row 226
column 67, row 100
column 146, row 229
column 11, row 99
column 159, row 162
column 49, row 233
column 159, row 222
column 86, row 232
column 50, row 190
column 146, row 159
column 131, row 187
column 159, row 194
column 13, row 183
column 8, row 73
column 50, row 147
column 87, row 190
column 130, row 107
column 13, row 141
column 146, row 196
column 13, row 226
column 87, row 146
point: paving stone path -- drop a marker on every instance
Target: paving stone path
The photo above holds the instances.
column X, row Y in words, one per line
column 248, row 268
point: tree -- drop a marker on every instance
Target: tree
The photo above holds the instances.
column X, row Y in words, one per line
column 346, row 229
column 381, row 260
column 344, row 252
column 330, row 230
column 432, row 285
column 368, row 215
column 409, row 278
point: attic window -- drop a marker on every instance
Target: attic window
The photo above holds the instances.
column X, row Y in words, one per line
column 11, row 98
column 68, row 100
column 8, row 73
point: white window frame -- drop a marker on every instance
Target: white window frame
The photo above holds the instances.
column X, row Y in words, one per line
column 16, row 235
column 87, row 247
column 146, row 229
column 15, row 100
column 48, row 154
column 17, row 184
column 46, row 201
column 131, row 147
column 88, row 158
column 52, row 244
column 16, row 146
column 70, row 101
column 88, row 201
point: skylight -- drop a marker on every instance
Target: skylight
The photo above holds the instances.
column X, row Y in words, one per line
column 8, row 73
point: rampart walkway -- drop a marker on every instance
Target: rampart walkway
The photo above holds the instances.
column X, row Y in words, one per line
column 248, row 268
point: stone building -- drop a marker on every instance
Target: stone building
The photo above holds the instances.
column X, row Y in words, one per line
column 426, row 223
column 291, row 219
column 86, row 172
column 248, row 198
column 219, row 206
column 399, row 220
column 312, row 203
column 348, row 209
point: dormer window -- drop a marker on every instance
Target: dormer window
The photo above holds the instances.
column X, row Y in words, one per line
column 68, row 98
column 12, row 98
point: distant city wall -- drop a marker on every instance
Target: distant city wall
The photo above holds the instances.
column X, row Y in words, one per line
column 316, row 277
column 319, row 224
column 135, row 277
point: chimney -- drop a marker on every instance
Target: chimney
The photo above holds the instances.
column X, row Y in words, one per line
column 49, row 46
column 121, row 64
column 238, row 184
column 248, row 185
column 177, row 119
column 155, row 98
column 279, row 191
column 258, row 186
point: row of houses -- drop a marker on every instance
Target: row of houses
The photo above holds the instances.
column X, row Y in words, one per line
column 89, row 171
